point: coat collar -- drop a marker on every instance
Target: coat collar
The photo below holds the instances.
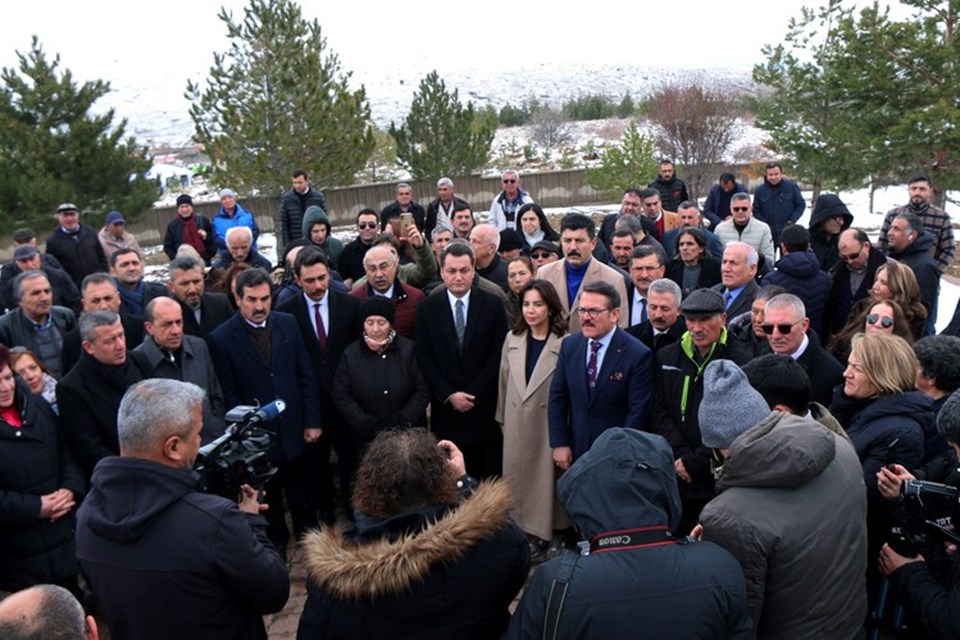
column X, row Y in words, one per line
column 517, row 359
column 384, row 567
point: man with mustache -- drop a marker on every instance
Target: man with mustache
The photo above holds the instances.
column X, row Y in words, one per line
column 578, row 269
column 259, row 357
column 680, row 390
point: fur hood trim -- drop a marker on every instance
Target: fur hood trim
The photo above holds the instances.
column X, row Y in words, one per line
column 382, row 567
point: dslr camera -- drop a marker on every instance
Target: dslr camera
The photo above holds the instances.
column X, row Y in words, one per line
column 930, row 508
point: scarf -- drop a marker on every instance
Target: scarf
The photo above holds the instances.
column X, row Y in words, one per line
column 191, row 235
column 379, row 346
column 535, row 237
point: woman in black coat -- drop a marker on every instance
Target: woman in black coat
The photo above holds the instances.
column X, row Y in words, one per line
column 378, row 384
column 40, row 487
column 693, row 268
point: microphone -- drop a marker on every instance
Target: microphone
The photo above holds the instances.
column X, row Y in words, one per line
column 268, row 412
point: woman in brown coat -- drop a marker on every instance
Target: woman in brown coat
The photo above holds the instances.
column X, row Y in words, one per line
column 529, row 357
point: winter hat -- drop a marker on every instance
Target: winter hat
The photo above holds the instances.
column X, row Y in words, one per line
column 114, row 217
column 948, row 420
column 730, row 405
column 510, row 240
column 23, row 235
column 314, row 215
column 702, row 303
column 184, row 199
column 227, row 192
column 25, row 252
column 376, row 306
column 546, row 245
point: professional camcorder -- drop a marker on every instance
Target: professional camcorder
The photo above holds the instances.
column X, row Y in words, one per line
column 242, row 454
column 929, row 509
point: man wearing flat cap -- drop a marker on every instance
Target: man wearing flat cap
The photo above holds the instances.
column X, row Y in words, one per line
column 680, row 389
column 114, row 235
column 76, row 245
column 27, row 257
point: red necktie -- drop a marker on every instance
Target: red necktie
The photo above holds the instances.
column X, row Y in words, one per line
column 592, row 365
column 321, row 334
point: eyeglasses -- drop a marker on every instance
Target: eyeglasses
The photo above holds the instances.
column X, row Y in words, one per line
column 739, row 209
column 539, row 254
column 885, row 321
column 509, row 181
column 785, row 329
column 366, row 225
column 584, row 311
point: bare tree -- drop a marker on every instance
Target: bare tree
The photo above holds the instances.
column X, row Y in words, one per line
column 551, row 129
column 694, row 125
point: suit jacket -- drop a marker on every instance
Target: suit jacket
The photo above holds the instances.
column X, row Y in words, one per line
column 246, row 378
column 196, row 366
column 621, row 398
column 215, row 309
column 344, row 321
column 644, row 333
column 474, row 369
column 555, row 273
column 743, row 301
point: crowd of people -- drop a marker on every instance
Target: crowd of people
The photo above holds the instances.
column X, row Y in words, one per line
column 698, row 419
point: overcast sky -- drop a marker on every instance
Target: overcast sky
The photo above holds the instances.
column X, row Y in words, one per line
column 123, row 40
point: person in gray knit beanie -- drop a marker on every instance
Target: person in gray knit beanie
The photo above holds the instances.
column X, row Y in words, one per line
column 730, row 405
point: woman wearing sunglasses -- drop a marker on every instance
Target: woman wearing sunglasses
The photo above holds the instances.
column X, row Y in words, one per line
column 872, row 315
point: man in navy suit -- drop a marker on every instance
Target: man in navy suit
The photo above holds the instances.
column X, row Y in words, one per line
column 460, row 335
column 604, row 378
column 329, row 320
column 259, row 357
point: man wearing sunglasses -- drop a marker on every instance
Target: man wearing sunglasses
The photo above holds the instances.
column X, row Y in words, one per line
column 786, row 325
column 742, row 226
column 351, row 260
column 850, row 279
column 503, row 209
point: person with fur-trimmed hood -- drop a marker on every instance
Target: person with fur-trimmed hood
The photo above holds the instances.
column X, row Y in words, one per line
column 637, row 581
column 432, row 555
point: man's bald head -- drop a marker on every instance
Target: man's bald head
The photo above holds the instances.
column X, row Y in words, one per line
column 46, row 611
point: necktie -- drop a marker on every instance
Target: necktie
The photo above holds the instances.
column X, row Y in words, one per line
column 321, row 333
column 460, row 321
column 643, row 309
column 592, row 365
column 727, row 297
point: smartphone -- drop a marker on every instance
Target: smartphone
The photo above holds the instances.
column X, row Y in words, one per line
column 406, row 219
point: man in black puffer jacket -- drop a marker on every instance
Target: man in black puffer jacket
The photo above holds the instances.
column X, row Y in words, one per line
column 829, row 218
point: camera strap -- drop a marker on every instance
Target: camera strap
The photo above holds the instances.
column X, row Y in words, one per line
column 631, row 539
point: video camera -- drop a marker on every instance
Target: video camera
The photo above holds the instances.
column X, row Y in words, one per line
column 242, row 454
column 929, row 509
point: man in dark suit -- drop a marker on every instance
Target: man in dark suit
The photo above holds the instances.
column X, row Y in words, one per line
column 460, row 335
column 737, row 273
column 259, row 357
column 664, row 324
column 647, row 263
column 329, row 320
column 604, row 378
column 202, row 312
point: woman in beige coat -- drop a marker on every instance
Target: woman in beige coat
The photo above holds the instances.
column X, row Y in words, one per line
column 529, row 358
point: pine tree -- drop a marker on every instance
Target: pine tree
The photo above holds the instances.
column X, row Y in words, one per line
column 276, row 100
column 629, row 164
column 52, row 149
column 441, row 137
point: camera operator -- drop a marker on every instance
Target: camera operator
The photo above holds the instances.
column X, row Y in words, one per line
column 930, row 594
column 162, row 559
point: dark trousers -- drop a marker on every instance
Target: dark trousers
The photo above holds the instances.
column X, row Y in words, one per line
column 484, row 459
column 291, row 481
